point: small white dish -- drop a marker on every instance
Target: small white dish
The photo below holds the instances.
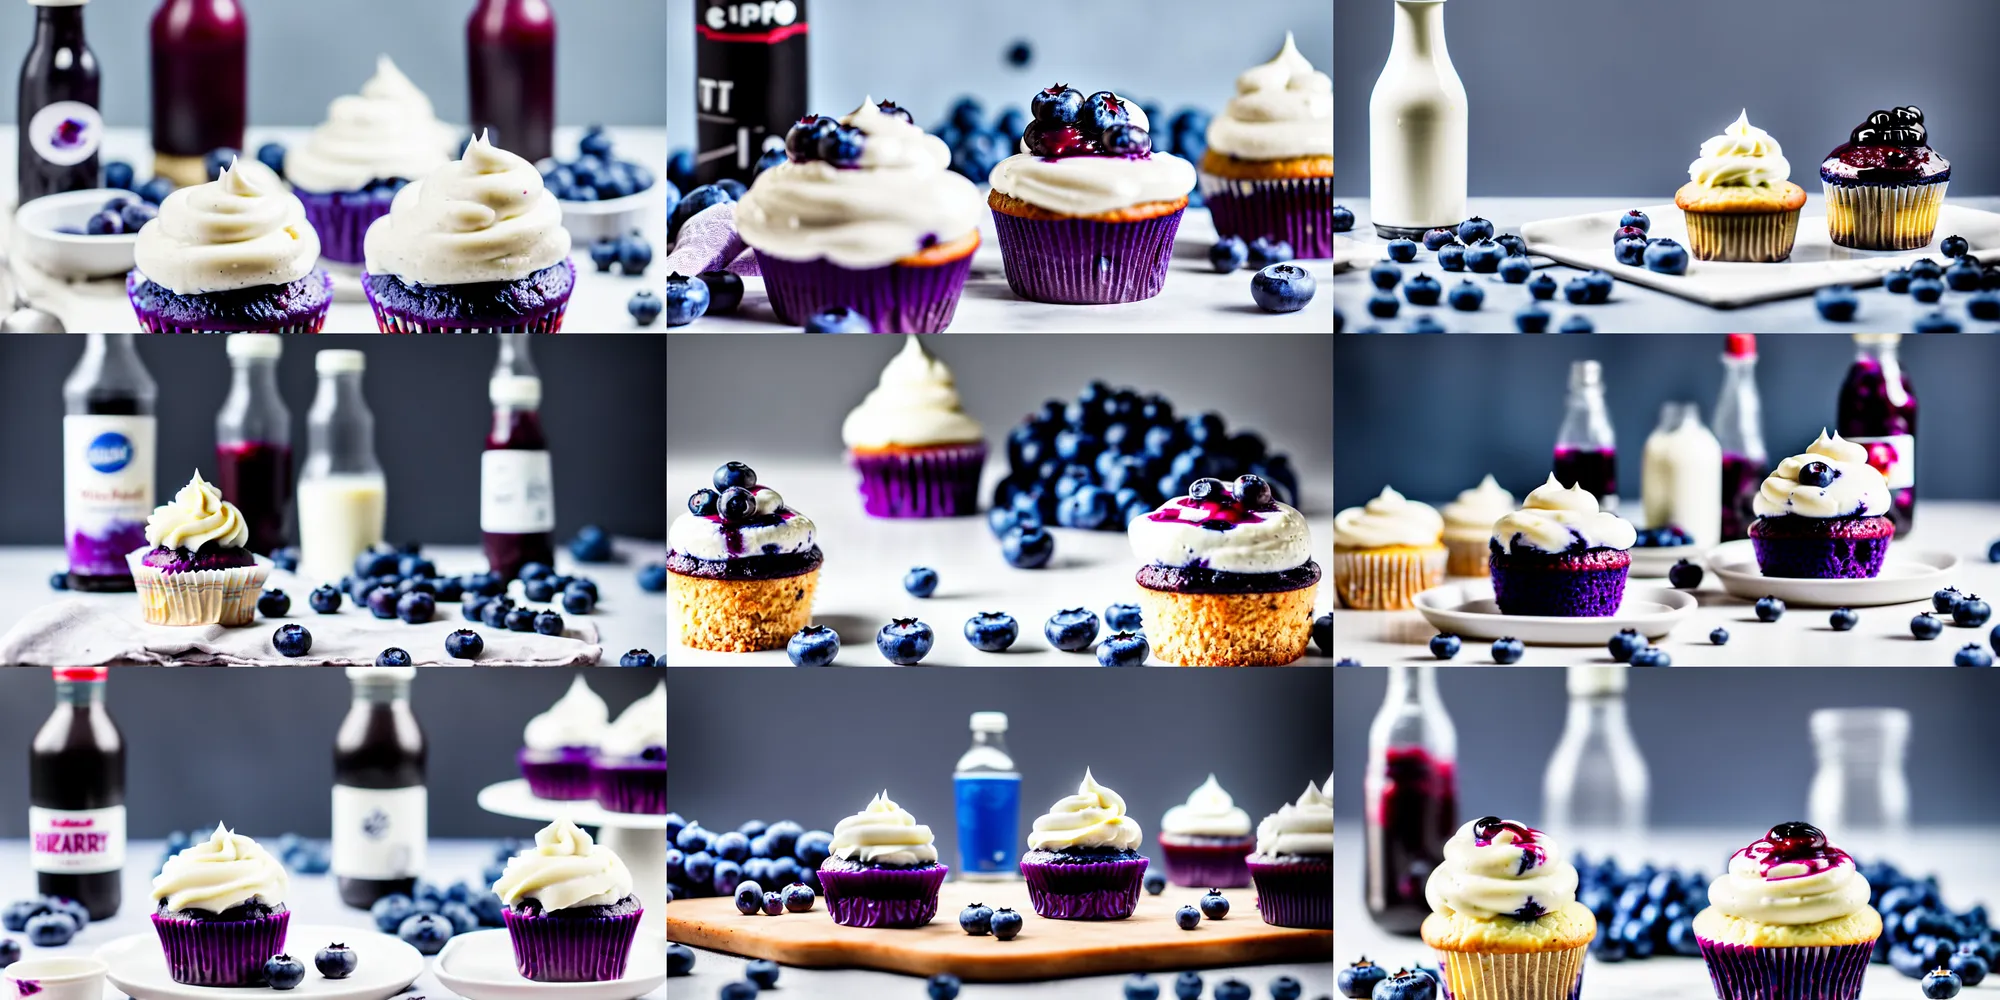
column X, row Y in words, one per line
column 384, row 967
column 1905, row 576
column 512, row 798
column 1467, row 611
column 1653, row 561
column 71, row 255
column 66, row 977
column 590, row 221
column 480, row 966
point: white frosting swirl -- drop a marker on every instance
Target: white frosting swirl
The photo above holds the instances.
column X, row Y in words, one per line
column 1471, row 516
column 914, row 404
column 1302, row 827
column 242, row 230
column 197, row 516
column 643, row 724
column 1557, row 519
column 386, row 132
column 1742, row 156
column 223, row 871
column 1389, row 519
column 1282, row 109
column 709, row 539
column 1093, row 817
column 1516, row 871
column 1272, row 541
column 901, row 200
column 1857, row 490
column 577, row 719
column 1772, row 891
column 486, row 217
column 1208, row 812
column 884, row 833
column 565, row 869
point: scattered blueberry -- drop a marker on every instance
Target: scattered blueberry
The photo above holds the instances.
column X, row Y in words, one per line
column 1230, row 254
column 1284, row 288
column 1652, row 656
column 920, row 581
column 392, row 657
column 1265, row 251
column 1666, row 257
column 1843, row 619
column 1971, row 612
column 1452, row 257
column 1946, row 599
column 1685, row 575
column 1445, row 645
column 1770, row 609
column 687, row 299
column 291, row 640
column 51, row 930
column 1515, row 270
column 1935, row 322
column 637, row 658
column 1474, row 229
column 1484, row 257
column 1897, row 281
column 1422, row 290
column 1027, row 546
column 1357, row 981
column 839, row 319
column 1187, row 917
column 1438, row 239
column 1384, row 275
column 1123, row 649
column 1155, row 882
column 1508, row 649
column 283, row 972
column 1625, row 643
column 1955, row 246
column 1467, row 297
column 1927, row 289
column 1836, row 303
column 1532, row 318
column 336, row 961
column 426, row 932
column 904, row 641
column 1636, row 218
column 1071, row 629
column 1006, row 924
column 1577, row 291
column 799, row 898
column 645, row 308
column 1926, row 626
column 1942, row 984
column 976, row 920
column 1542, row 287
column 1719, row 636
column 1343, row 219
column 1214, row 905
column 1972, row 656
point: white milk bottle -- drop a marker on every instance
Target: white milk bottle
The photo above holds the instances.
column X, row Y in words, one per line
column 1683, row 475
column 342, row 495
column 1417, row 129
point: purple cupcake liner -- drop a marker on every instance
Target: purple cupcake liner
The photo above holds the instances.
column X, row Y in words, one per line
column 1743, row 972
column 1209, row 865
column 1558, row 593
column 882, row 897
column 1081, row 261
column 342, row 218
column 1295, row 894
column 312, row 320
column 1094, row 890
column 1820, row 558
column 630, row 788
column 221, row 952
column 548, row 319
column 562, row 774
column 1298, row 210
column 926, row 482
column 898, row 298
column 571, row 950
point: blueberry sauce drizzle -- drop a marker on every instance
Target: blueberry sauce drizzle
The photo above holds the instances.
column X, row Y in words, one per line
column 1486, row 832
column 1217, row 515
column 1794, row 844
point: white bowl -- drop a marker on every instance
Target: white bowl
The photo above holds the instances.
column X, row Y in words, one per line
column 590, row 221
column 67, row 255
column 1906, row 576
column 1467, row 610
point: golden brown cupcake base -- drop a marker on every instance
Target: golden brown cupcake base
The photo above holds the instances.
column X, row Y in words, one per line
column 943, row 253
column 1227, row 630
column 741, row 616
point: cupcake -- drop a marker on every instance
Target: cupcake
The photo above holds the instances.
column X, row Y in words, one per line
column 558, row 744
column 349, row 169
column 1087, row 211
column 476, row 246
column 883, row 869
column 1885, row 184
column 197, row 571
column 1205, row 840
column 1738, row 201
column 1790, row 920
column 1292, row 866
column 1468, row 526
column 741, row 566
column 628, row 773
column 1504, row 918
column 1083, row 860
column 1228, row 578
column 235, row 255
column 1386, row 553
column 219, row 908
column 919, row 455
column 1559, row 556
column 864, row 213
column 1822, row 515
column 1269, row 166
column 569, row 908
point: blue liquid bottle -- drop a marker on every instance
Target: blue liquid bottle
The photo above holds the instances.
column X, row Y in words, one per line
column 988, row 791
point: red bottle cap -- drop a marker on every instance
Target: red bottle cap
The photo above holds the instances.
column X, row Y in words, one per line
column 82, row 673
column 1742, row 345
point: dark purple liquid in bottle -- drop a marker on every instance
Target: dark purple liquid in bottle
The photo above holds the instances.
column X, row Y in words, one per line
column 58, row 110
column 199, row 64
column 511, row 55
column 257, row 477
column 1741, row 478
column 380, row 745
column 1885, row 423
column 517, row 429
column 1416, row 812
column 1595, row 470
column 77, row 763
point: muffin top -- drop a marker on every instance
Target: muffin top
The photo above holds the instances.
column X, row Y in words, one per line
column 884, row 833
column 1302, row 827
column 1891, row 147
column 1742, row 156
column 565, row 869
column 1790, row 876
column 914, row 404
column 1282, row 109
column 484, row 217
column 1069, row 165
column 721, row 524
column 197, row 519
column 241, row 230
column 1208, row 812
column 577, row 719
column 1228, row 528
column 1558, row 519
column 1496, row 868
column 1471, row 516
column 226, row 870
column 1832, row 479
column 642, row 726
column 387, row 132
column 1092, row 818
column 1387, row 520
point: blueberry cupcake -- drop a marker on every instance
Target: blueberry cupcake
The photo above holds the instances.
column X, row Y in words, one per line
column 1292, row 866
column 918, row 453
column 1504, row 918
column 1087, row 211
column 235, row 255
column 1468, row 526
column 558, row 745
column 347, row 172
column 1739, row 202
column 219, row 909
column 1823, row 515
column 1885, row 185
column 864, row 213
column 1386, row 552
column 1789, row 920
column 1268, row 171
column 1083, row 860
column 475, row 246
column 197, row 570
column 1229, row 577
column 1205, row 840
column 569, row 908
column 1560, row 556
column 741, row 566
column 628, row 773
column 883, row 869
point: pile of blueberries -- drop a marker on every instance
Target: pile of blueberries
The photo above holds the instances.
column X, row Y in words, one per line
column 702, row 863
column 1365, row 980
column 1965, row 611
column 431, row 915
column 1472, row 245
column 1926, row 281
column 122, row 214
column 597, row 174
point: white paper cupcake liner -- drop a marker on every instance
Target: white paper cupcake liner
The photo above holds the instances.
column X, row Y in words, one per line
column 1540, row 975
column 198, row 597
column 1883, row 217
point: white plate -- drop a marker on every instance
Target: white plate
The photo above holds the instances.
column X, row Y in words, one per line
column 1654, row 561
column 480, row 966
column 512, row 798
column 1905, row 576
column 1467, row 611
column 385, row 967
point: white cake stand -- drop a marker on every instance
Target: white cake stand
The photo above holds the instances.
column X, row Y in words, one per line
column 639, row 839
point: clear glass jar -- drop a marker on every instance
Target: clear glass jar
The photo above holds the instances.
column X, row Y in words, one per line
column 1595, row 788
column 1860, row 795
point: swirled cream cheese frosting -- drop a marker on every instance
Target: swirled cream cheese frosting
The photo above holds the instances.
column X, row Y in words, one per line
column 1389, row 519
column 485, row 217
column 224, row 871
column 1790, row 880
column 1302, row 827
column 914, row 404
column 1557, row 518
column 565, row 869
column 1742, row 156
column 196, row 518
column 1094, row 185
column 642, row 726
column 386, row 132
column 1472, row 515
column 1093, row 818
column 1282, row 109
column 577, row 719
column 884, row 833
column 1831, row 479
column 1187, row 532
column 779, row 530
column 1496, row 867
column 901, row 200
column 1208, row 812
column 242, row 230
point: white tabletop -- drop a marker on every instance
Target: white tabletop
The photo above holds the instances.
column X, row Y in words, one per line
column 1800, row 638
column 596, row 306
column 1632, row 309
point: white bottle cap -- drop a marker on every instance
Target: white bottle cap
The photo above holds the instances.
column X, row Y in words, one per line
column 339, row 362
column 515, row 390
column 254, row 345
column 989, row 722
column 1599, row 679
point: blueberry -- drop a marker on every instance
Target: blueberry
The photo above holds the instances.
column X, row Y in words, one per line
column 1027, row 546
column 645, row 308
column 1214, row 906
column 976, row 920
column 156, row 190
column 1926, row 289
column 1358, row 981
column 991, row 631
column 1897, row 281
column 1125, row 140
column 813, row 646
column 1006, row 923
column 1964, row 276
column 1515, row 270
column 742, row 989
column 519, row 620
column 1322, row 634
column 416, row 607
column 1577, row 291
column 943, row 986
column 1508, row 649
column 1123, row 618
column 1071, row 629
column 604, row 255
column 393, row 657
column 1955, row 246
column 802, row 139
column 653, row 578
column 904, row 641
column 1625, row 643
column 1935, row 322
column 1467, row 297
column 1400, row 251
column 426, row 932
column 274, row 603
column 1484, row 257
column 1652, row 656
column 1770, row 609
column 1140, row 986
column 1630, row 252
column 1235, row 989
column 1984, row 306
column 1229, row 254
column 637, row 658
column 736, row 505
column 693, row 203
column 839, row 319
column 763, row 972
column 1103, row 110
column 687, row 299
column 118, row 174
column 1971, row 612
column 1972, row 656
column 292, row 640
column 1155, row 882
column 1971, row 966
column 680, row 960
column 749, row 898
column 635, row 254
column 1437, row 239
column 1384, row 275
column 283, row 972
column 1817, row 474
column 1123, row 649
column 1637, row 219
column 1423, row 290
column 1942, row 984
column 1475, row 229
column 1285, row 988
column 1514, row 245
column 1532, row 319
column 1843, row 619
column 549, row 623
column 1343, row 219
column 1666, row 257
column 577, row 602
column 493, row 613
column 52, row 929
column 390, row 911
column 133, row 216
column 1444, row 645
column 1685, row 575
column 1719, row 636
column 108, row 222
column 1452, row 257
column 1187, row 917
column 1381, row 305
column 799, row 898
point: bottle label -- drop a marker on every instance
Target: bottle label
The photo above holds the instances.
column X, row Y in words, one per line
column 517, row 493
column 66, row 133
column 76, row 841
column 1895, row 457
column 750, row 82
column 989, row 822
column 380, row 833
column 107, row 490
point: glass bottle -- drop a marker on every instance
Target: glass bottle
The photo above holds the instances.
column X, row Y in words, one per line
column 60, row 125
column 1878, row 410
column 1739, row 429
column 1595, row 788
column 253, row 440
column 381, row 822
column 750, row 82
column 108, row 461
column 988, row 792
column 343, row 497
column 1412, row 790
column 1418, row 123
column 515, row 358
column 76, row 796
column 1681, row 481
column 517, row 498
column 199, row 62
column 1859, row 794
column 1586, row 448
column 511, row 62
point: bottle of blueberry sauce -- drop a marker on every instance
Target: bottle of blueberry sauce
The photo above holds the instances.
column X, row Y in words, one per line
column 76, row 795
column 108, row 455
column 988, row 791
column 517, row 502
column 381, row 809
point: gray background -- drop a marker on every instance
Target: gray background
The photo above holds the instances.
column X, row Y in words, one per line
column 428, row 394
column 924, row 54
column 304, row 53
column 1152, row 736
column 1430, row 415
column 1584, row 97
column 1724, row 745
column 254, row 748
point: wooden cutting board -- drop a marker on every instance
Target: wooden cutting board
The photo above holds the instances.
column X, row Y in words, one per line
column 1149, row 941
